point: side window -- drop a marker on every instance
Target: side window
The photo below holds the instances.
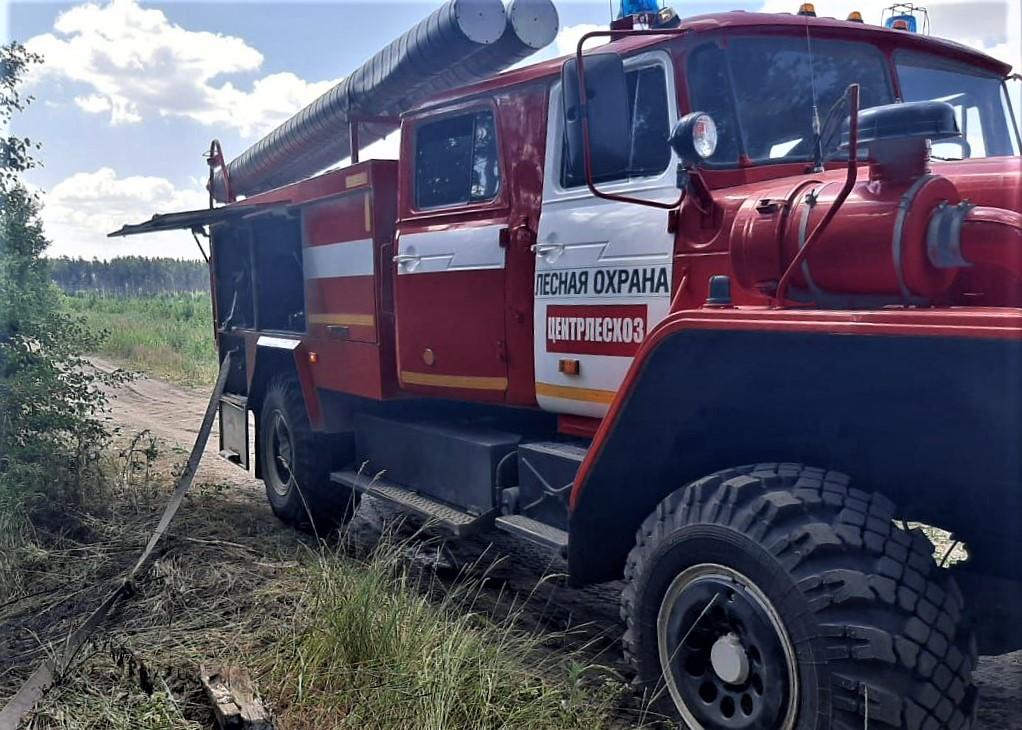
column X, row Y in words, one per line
column 648, row 150
column 456, row 161
column 709, row 89
column 970, row 144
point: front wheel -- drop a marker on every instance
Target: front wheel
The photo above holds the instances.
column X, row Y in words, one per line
column 777, row 597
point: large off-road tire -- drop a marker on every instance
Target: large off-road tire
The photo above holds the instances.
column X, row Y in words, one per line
column 803, row 604
column 295, row 463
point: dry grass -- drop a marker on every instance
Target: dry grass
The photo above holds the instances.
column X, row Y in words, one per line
column 343, row 636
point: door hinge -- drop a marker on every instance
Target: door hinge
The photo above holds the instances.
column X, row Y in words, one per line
column 672, row 220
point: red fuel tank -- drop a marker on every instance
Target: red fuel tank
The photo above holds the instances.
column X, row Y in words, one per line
column 874, row 249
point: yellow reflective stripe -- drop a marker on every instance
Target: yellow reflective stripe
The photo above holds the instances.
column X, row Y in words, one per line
column 590, row 395
column 359, row 320
column 470, row 382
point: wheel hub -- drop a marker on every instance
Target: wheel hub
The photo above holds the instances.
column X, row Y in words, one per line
column 726, row 656
column 282, row 453
column 729, row 660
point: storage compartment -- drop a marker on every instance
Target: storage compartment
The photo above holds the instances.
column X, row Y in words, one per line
column 453, row 463
column 546, row 472
column 258, row 274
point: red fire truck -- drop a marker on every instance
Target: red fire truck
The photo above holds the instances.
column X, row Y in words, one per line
column 719, row 307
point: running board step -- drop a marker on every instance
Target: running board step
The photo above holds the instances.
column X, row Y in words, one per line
column 450, row 519
column 534, row 531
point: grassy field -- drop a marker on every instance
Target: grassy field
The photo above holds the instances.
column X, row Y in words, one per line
column 169, row 336
column 362, row 632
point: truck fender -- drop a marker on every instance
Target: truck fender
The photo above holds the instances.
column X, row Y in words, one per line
column 709, row 391
column 270, row 357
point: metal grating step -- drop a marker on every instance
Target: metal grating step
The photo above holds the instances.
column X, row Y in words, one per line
column 534, row 531
column 453, row 520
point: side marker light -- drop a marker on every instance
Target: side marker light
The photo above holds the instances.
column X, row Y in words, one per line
column 569, row 367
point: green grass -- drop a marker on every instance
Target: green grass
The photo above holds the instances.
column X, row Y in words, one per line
column 169, row 336
column 375, row 645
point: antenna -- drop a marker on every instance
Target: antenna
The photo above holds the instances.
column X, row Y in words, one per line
column 815, row 113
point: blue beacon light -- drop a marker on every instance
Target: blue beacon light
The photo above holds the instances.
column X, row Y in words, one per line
column 635, row 7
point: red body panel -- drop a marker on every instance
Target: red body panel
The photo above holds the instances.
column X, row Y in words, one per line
column 975, row 323
column 350, row 331
column 468, row 334
column 345, row 301
column 450, row 323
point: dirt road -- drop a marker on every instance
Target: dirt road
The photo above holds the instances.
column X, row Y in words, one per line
column 173, row 415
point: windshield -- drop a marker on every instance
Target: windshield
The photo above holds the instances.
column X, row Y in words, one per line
column 979, row 99
column 761, row 91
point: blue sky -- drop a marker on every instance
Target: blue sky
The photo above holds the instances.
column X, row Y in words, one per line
column 131, row 93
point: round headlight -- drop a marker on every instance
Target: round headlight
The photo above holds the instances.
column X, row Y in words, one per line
column 694, row 138
column 704, row 136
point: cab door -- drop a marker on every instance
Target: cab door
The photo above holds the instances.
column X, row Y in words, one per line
column 450, row 256
column 604, row 268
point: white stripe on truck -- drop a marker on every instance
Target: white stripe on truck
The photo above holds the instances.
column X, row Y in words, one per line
column 349, row 258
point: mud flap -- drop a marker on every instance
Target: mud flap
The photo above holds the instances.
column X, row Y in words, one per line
column 234, row 444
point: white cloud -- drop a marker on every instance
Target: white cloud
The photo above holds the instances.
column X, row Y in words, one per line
column 569, row 36
column 387, row 148
column 136, row 65
column 565, row 43
column 80, row 210
column 93, row 103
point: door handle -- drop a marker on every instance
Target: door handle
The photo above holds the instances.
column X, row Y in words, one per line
column 407, row 261
column 549, row 251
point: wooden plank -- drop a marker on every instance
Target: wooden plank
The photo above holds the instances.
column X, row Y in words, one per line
column 235, row 699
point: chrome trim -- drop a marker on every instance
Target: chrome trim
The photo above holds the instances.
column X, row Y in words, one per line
column 281, row 343
column 944, row 236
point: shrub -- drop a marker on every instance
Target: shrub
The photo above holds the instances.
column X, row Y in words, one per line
column 50, row 400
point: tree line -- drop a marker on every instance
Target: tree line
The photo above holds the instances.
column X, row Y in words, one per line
column 129, row 275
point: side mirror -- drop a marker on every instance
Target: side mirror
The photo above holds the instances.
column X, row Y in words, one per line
column 606, row 95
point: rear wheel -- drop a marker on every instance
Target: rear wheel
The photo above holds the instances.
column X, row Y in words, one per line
column 778, row 597
column 295, row 463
